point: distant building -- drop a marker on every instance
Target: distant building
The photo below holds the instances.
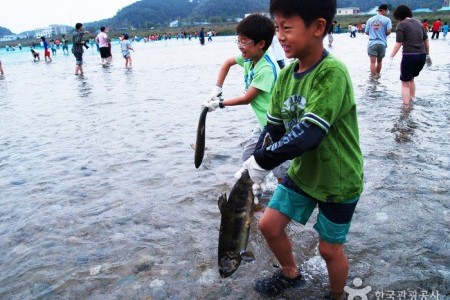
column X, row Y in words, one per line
column 44, row 31
column 446, row 8
column 422, row 10
column 8, row 38
column 261, row 13
column 58, row 29
column 50, row 30
column 342, row 11
column 174, row 23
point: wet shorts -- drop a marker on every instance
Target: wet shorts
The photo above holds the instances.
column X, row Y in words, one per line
column 78, row 58
column 377, row 50
column 411, row 66
column 333, row 219
column 104, row 52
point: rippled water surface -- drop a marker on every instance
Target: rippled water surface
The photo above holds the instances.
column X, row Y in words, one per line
column 100, row 198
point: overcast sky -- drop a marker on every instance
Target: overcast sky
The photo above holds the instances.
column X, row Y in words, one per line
column 23, row 15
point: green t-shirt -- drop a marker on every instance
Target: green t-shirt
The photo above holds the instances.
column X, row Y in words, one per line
column 262, row 76
column 323, row 96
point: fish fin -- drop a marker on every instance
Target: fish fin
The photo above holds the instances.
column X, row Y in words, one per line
column 267, row 140
column 193, row 146
column 247, row 256
column 222, row 201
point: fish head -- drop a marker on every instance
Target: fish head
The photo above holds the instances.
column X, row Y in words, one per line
column 228, row 264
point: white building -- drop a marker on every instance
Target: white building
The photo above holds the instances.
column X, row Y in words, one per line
column 342, row 11
column 8, row 38
column 58, row 29
column 174, row 23
column 44, row 31
column 50, row 31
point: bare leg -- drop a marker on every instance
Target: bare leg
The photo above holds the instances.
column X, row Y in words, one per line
column 379, row 65
column 373, row 67
column 272, row 225
column 406, row 92
column 337, row 266
column 412, row 88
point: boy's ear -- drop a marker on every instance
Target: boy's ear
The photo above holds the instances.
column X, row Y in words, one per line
column 320, row 26
column 261, row 44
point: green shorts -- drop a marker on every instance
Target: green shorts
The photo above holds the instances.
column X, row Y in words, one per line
column 333, row 220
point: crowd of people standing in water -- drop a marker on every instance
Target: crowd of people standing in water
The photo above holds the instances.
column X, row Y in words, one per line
column 103, row 44
column 377, row 28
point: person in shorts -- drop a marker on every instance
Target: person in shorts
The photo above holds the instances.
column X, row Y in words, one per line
column 312, row 119
column 103, row 43
column 125, row 46
column 413, row 38
column 378, row 28
column 77, row 48
column 46, row 50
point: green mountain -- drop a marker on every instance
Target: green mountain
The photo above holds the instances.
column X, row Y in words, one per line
column 4, row 31
column 159, row 13
column 154, row 13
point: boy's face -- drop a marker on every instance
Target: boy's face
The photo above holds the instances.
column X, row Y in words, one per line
column 248, row 48
column 298, row 40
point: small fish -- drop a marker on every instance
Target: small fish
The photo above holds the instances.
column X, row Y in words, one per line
column 236, row 217
column 200, row 142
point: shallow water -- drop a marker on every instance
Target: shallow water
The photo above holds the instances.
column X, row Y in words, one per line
column 100, row 198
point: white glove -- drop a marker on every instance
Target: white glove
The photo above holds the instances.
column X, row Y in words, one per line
column 212, row 104
column 256, row 173
column 428, row 61
column 215, row 93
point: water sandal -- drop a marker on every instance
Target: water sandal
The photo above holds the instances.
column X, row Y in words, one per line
column 275, row 285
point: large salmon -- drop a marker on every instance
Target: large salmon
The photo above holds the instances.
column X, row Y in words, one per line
column 200, row 142
column 236, row 217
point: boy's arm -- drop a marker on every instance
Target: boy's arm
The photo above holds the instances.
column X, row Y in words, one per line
column 223, row 72
column 242, row 100
column 303, row 137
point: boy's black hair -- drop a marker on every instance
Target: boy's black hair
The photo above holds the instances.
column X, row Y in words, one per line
column 402, row 12
column 78, row 26
column 102, row 28
column 307, row 10
column 257, row 28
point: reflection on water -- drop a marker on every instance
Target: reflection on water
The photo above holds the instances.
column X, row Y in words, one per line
column 100, row 197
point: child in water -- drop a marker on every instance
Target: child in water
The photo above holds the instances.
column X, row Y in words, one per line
column 35, row 55
column 125, row 46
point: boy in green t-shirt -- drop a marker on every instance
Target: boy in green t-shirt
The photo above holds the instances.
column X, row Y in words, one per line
column 255, row 34
column 313, row 120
